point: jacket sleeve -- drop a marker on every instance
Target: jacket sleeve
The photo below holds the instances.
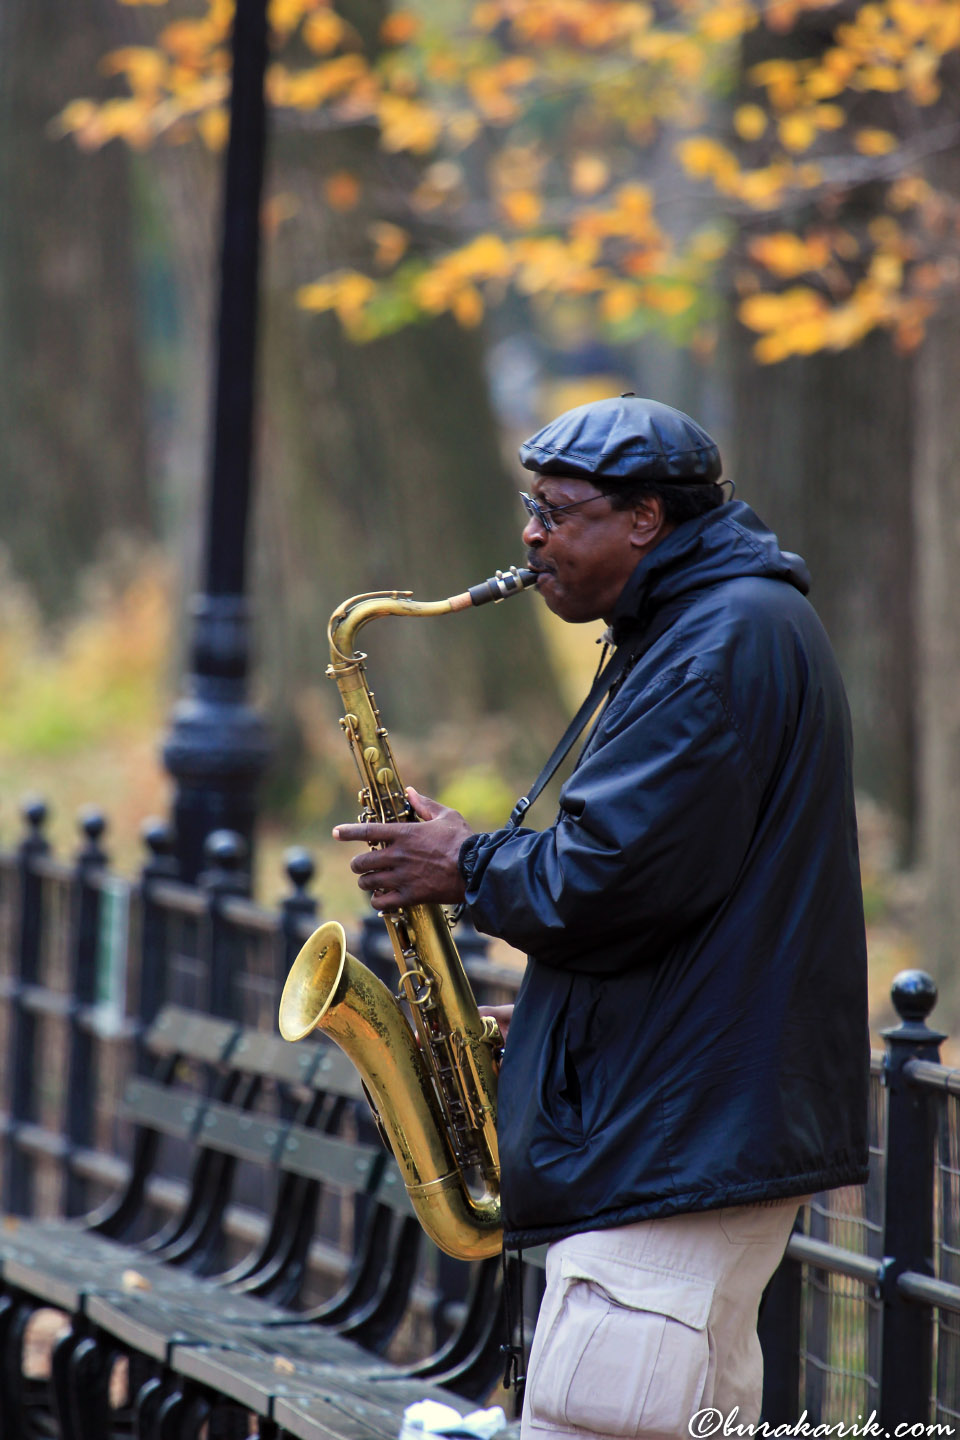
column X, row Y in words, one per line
column 653, row 827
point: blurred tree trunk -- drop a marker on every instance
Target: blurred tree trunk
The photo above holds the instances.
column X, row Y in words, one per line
column 937, row 493
column 381, row 465
column 822, row 446
column 822, row 449
column 72, row 453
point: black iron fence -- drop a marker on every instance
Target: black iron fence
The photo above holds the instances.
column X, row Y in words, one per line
column 863, row 1315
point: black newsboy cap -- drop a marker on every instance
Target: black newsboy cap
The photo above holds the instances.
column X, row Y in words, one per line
column 624, row 439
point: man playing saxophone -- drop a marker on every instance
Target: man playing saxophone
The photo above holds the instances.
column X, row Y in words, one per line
column 688, row 1053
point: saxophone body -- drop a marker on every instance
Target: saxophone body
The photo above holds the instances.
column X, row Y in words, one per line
column 432, row 1084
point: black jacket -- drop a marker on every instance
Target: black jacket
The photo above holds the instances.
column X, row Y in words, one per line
column 691, row 1030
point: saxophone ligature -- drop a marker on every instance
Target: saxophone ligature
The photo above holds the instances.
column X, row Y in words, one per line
column 432, row 1083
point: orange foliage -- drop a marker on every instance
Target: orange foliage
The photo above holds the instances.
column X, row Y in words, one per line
column 557, row 101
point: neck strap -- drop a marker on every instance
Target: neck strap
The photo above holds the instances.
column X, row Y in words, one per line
column 606, row 678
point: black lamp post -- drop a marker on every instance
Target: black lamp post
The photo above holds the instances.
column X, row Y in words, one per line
column 218, row 745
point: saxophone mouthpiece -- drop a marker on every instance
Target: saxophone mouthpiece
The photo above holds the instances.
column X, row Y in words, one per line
column 499, row 587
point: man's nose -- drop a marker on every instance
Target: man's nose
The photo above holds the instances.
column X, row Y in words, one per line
column 533, row 532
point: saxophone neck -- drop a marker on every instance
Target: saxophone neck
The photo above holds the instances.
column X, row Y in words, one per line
column 348, row 619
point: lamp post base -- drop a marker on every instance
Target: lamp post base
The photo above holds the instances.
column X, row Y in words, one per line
column 218, row 746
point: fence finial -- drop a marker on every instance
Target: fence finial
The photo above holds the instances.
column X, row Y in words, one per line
column 914, row 994
column 91, row 822
column 300, row 867
column 34, row 812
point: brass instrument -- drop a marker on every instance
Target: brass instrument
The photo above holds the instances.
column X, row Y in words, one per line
column 433, row 1088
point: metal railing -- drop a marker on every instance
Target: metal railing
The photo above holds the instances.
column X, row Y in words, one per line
column 863, row 1314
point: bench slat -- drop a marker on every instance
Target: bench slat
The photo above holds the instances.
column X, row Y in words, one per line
column 161, row 1107
column 178, row 1031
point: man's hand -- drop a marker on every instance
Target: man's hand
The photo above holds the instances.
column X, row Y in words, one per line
column 418, row 862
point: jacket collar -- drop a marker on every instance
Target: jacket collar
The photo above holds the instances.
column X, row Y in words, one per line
column 724, row 544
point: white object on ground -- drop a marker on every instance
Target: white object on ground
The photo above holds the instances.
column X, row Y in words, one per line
column 428, row 1417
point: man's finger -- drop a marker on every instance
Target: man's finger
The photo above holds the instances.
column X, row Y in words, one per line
column 371, row 832
column 388, row 900
column 369, row 860
column 377, row 881
column 426, row 808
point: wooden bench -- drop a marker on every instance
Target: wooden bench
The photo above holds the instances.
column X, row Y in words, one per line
column 207, row 1333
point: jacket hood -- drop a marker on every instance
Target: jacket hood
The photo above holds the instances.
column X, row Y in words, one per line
column 728, row 543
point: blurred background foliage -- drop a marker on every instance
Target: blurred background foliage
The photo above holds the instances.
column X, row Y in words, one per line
column 477, row 214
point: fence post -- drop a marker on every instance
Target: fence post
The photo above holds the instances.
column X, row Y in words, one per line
column 81, row 1068
column 779, row 1326
column 18, row 1170
column 160, row 865
column 224, row 853
column 296, row 907
column 906, row 1359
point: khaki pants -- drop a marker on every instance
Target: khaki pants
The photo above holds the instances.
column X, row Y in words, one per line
column 643, row 1325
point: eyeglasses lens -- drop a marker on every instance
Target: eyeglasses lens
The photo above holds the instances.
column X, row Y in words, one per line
column 532, row 508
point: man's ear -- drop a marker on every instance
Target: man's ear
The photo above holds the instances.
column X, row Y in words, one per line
column 649, row 522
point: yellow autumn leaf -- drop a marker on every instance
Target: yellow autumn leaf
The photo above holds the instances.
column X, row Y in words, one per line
column 324, row 31
column 807, row 335
column 787, row 255
column 390, row 242
column 486, row 16
column 762, row 188
column 908, row 191
column 829, row 117
column 874, row 142
column 727, row 20
column 797, row 131
column 771, row 349
column 823, row 84
column 486, row 257
column 704, row 158
column 885, row 78
column 346, row 291
column 521, row 208
column 808, row 175
column 399, row 28
column 708, row 246
column 214, row 128
column 886, row 271
column 673, row 299
column 342, row 191
column 285, row 15
column 407, row 124
column 467, row 306
column 749, row 121
column 316, row 84
column 189, row 41
column 277, row 209
column 589, row 173
column 144, row 68
column 463, row 128
column 127, row 120
column 619, row 303
column 766, row 311
column 74, row 117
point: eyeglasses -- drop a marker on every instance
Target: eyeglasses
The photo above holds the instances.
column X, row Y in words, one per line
column 544, row 514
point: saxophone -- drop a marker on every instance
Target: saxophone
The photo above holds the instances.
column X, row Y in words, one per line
column 432, row 1085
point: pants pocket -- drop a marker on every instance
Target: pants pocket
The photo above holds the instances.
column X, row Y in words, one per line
column 627, row 1354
